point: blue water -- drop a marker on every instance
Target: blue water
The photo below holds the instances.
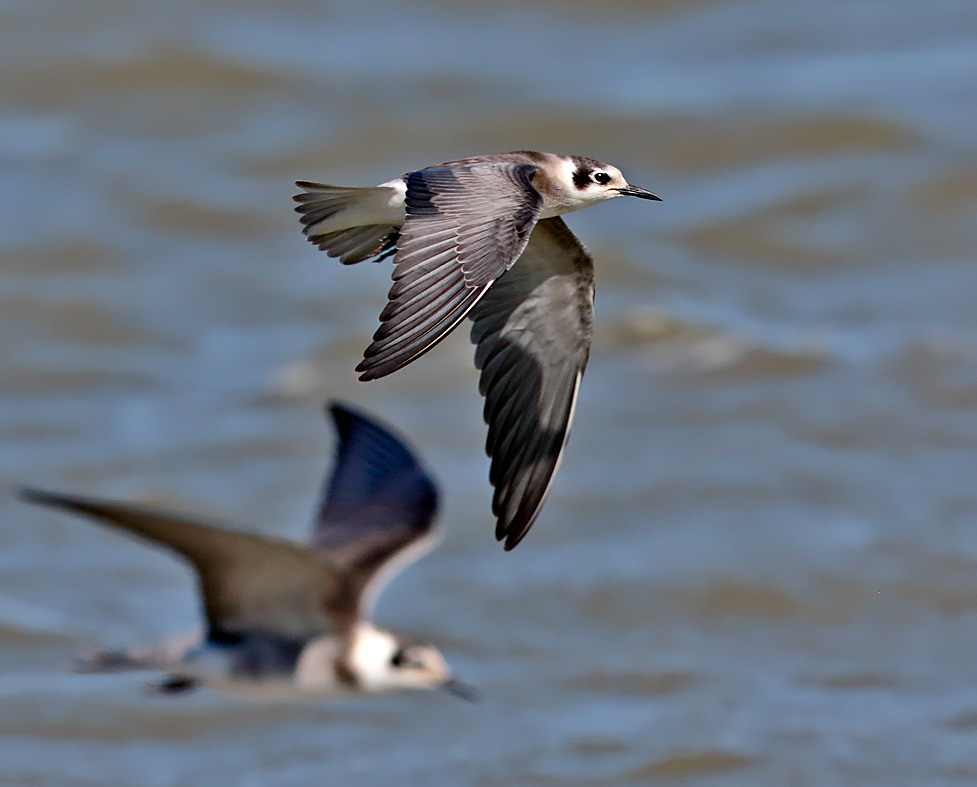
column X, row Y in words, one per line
column 757, row 564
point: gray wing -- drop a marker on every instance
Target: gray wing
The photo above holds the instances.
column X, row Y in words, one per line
column 465, row 226
column 378, row 506
column 532, row 330
column 249, row 583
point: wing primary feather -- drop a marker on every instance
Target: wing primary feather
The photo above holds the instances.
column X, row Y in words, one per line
column 379, row 364
column 532, row 336
column 378, row 505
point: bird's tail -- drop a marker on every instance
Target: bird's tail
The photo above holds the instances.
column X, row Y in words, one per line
column 115, row 661
column 346, row 222
column 102, row 661
column 163, row 655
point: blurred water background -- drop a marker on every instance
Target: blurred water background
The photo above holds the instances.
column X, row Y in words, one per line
column 758, row 564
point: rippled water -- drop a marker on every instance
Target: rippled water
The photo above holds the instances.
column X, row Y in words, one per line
column 758, row 564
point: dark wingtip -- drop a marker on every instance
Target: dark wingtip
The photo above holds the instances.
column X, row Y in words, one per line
column 513, row 530
column 336, row 409
column 75, row 504
column 514, row 539
column 345, row 415
column 28, row 494
column 370, row 372
column 40, row 497
column 512, row 533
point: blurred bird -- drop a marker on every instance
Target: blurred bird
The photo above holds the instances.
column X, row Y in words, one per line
column 286, row 619
column 456, row 232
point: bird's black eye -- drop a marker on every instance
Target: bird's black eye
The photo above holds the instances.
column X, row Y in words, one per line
column 403, row 659
column 602, row 178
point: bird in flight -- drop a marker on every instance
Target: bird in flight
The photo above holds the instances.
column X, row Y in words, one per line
column 289, row 619
column 482, row 238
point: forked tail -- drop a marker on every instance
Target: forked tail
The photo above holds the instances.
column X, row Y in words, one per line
column 114, row 661
column 353, row 224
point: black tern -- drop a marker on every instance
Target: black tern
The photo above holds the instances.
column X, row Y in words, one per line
column 285, row 619
column 456, row 232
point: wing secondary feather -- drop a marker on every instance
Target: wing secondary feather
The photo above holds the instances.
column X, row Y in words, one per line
column 466, row 225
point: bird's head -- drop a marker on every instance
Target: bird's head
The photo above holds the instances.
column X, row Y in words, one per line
column 381, row 661
column 583, row 182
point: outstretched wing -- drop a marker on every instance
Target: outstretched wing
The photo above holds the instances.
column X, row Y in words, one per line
column 466, row 225
column 250, row 583
column 532, row 330
column 378, row 506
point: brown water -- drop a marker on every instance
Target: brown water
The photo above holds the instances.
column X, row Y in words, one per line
column 758, row 565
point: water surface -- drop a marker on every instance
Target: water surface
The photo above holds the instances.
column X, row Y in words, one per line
column 758, row 565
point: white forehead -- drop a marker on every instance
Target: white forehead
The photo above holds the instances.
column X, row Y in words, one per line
column 568, row 167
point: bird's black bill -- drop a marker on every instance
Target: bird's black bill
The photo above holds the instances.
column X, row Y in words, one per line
column 461, row 690
column 634, row 191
